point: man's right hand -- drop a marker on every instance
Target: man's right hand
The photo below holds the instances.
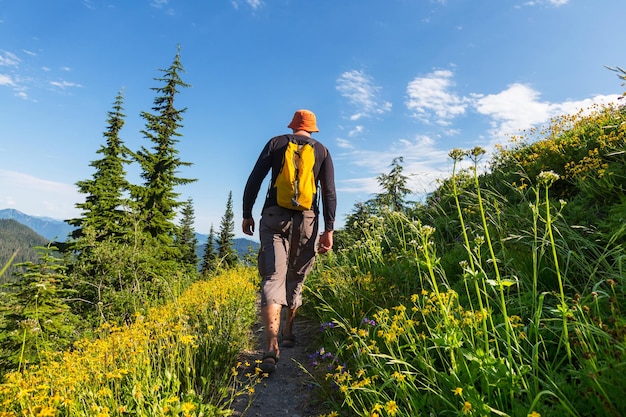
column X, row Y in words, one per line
column 248, row 226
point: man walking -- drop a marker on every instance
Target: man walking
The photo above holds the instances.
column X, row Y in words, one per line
column 289, row 236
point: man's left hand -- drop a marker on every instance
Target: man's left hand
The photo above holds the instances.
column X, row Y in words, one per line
column 326, row 242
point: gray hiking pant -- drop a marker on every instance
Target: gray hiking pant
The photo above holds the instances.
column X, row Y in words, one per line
column 288, row 247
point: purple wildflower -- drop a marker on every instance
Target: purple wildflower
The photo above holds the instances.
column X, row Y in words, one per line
column 327, row 325
column 368, row 321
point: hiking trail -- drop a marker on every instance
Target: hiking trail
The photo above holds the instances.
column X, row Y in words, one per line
column 289, row 390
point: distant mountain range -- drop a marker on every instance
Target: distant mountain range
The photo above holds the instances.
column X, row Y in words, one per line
column 49, row 228
column 58, row 230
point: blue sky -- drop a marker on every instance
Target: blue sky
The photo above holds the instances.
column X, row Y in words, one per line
column 410, row 78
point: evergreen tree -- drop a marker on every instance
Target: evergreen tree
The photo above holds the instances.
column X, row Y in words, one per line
column 393, row 197
column 209, row 259
column 357, row 223
column 186, row 239
column 226, row 252
column 35, row 316
column 160, row 165
column 394, row 187
column 103, row 207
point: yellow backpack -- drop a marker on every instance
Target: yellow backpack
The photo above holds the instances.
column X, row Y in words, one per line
column 295, row 184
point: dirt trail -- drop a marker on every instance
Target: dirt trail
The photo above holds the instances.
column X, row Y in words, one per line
column 288, row 391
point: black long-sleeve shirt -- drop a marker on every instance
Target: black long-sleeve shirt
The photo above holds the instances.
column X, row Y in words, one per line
column 272, row 158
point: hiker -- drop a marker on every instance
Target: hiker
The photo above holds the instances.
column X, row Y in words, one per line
column 289, row 235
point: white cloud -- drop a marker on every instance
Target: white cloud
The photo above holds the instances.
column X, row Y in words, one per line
column 159, row 4
column 8, row 59
column 254, row 4
column 6, row 80
column 357, row 130
column 515, row 108
column 555, row 3
column 430, row 98
column 64, row 84
column 345, row 144
column 519, row 107
column 37, row 196
column 359, row 89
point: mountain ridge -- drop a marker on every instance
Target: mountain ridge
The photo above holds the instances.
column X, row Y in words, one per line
column 54, row 229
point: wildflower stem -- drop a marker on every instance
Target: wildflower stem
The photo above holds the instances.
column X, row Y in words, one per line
column 563, row 306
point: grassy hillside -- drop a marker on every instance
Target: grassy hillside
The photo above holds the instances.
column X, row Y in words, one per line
column 504, row 294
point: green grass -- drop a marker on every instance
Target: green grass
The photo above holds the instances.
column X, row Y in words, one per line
column 524, row 318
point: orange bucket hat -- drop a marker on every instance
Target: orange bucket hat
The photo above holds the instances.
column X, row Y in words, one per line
column 304, row 120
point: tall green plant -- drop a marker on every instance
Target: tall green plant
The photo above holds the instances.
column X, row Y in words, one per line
column 186, row 237
column 225, row 251
column 210, row 260
column 432, row 352
column 157, row 197
column 104, row 207
column 36, row 318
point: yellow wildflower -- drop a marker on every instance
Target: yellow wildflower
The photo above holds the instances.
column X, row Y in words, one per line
column 391, row 407
column 398, row 376
column 187, row 407
column 534, row 414
column 45, row 411
column 458, row 391
column 467, row 407
column 104, row 412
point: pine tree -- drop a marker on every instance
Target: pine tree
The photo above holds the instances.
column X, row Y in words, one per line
column 226, row 252
column 103, row 207
column 209, row 259
column 36, row 317
column 186, row 238
column 394, row 186
column 160, row 165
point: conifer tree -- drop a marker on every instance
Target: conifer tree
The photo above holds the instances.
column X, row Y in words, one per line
column 103, row 207
column 36, row 317
column 395, row 187
column 209, row 259
column 157, row 198
column 226, row 252
column 186, row 238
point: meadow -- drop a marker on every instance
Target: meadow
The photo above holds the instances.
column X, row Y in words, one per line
column 501, row 294
column 179, row 359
